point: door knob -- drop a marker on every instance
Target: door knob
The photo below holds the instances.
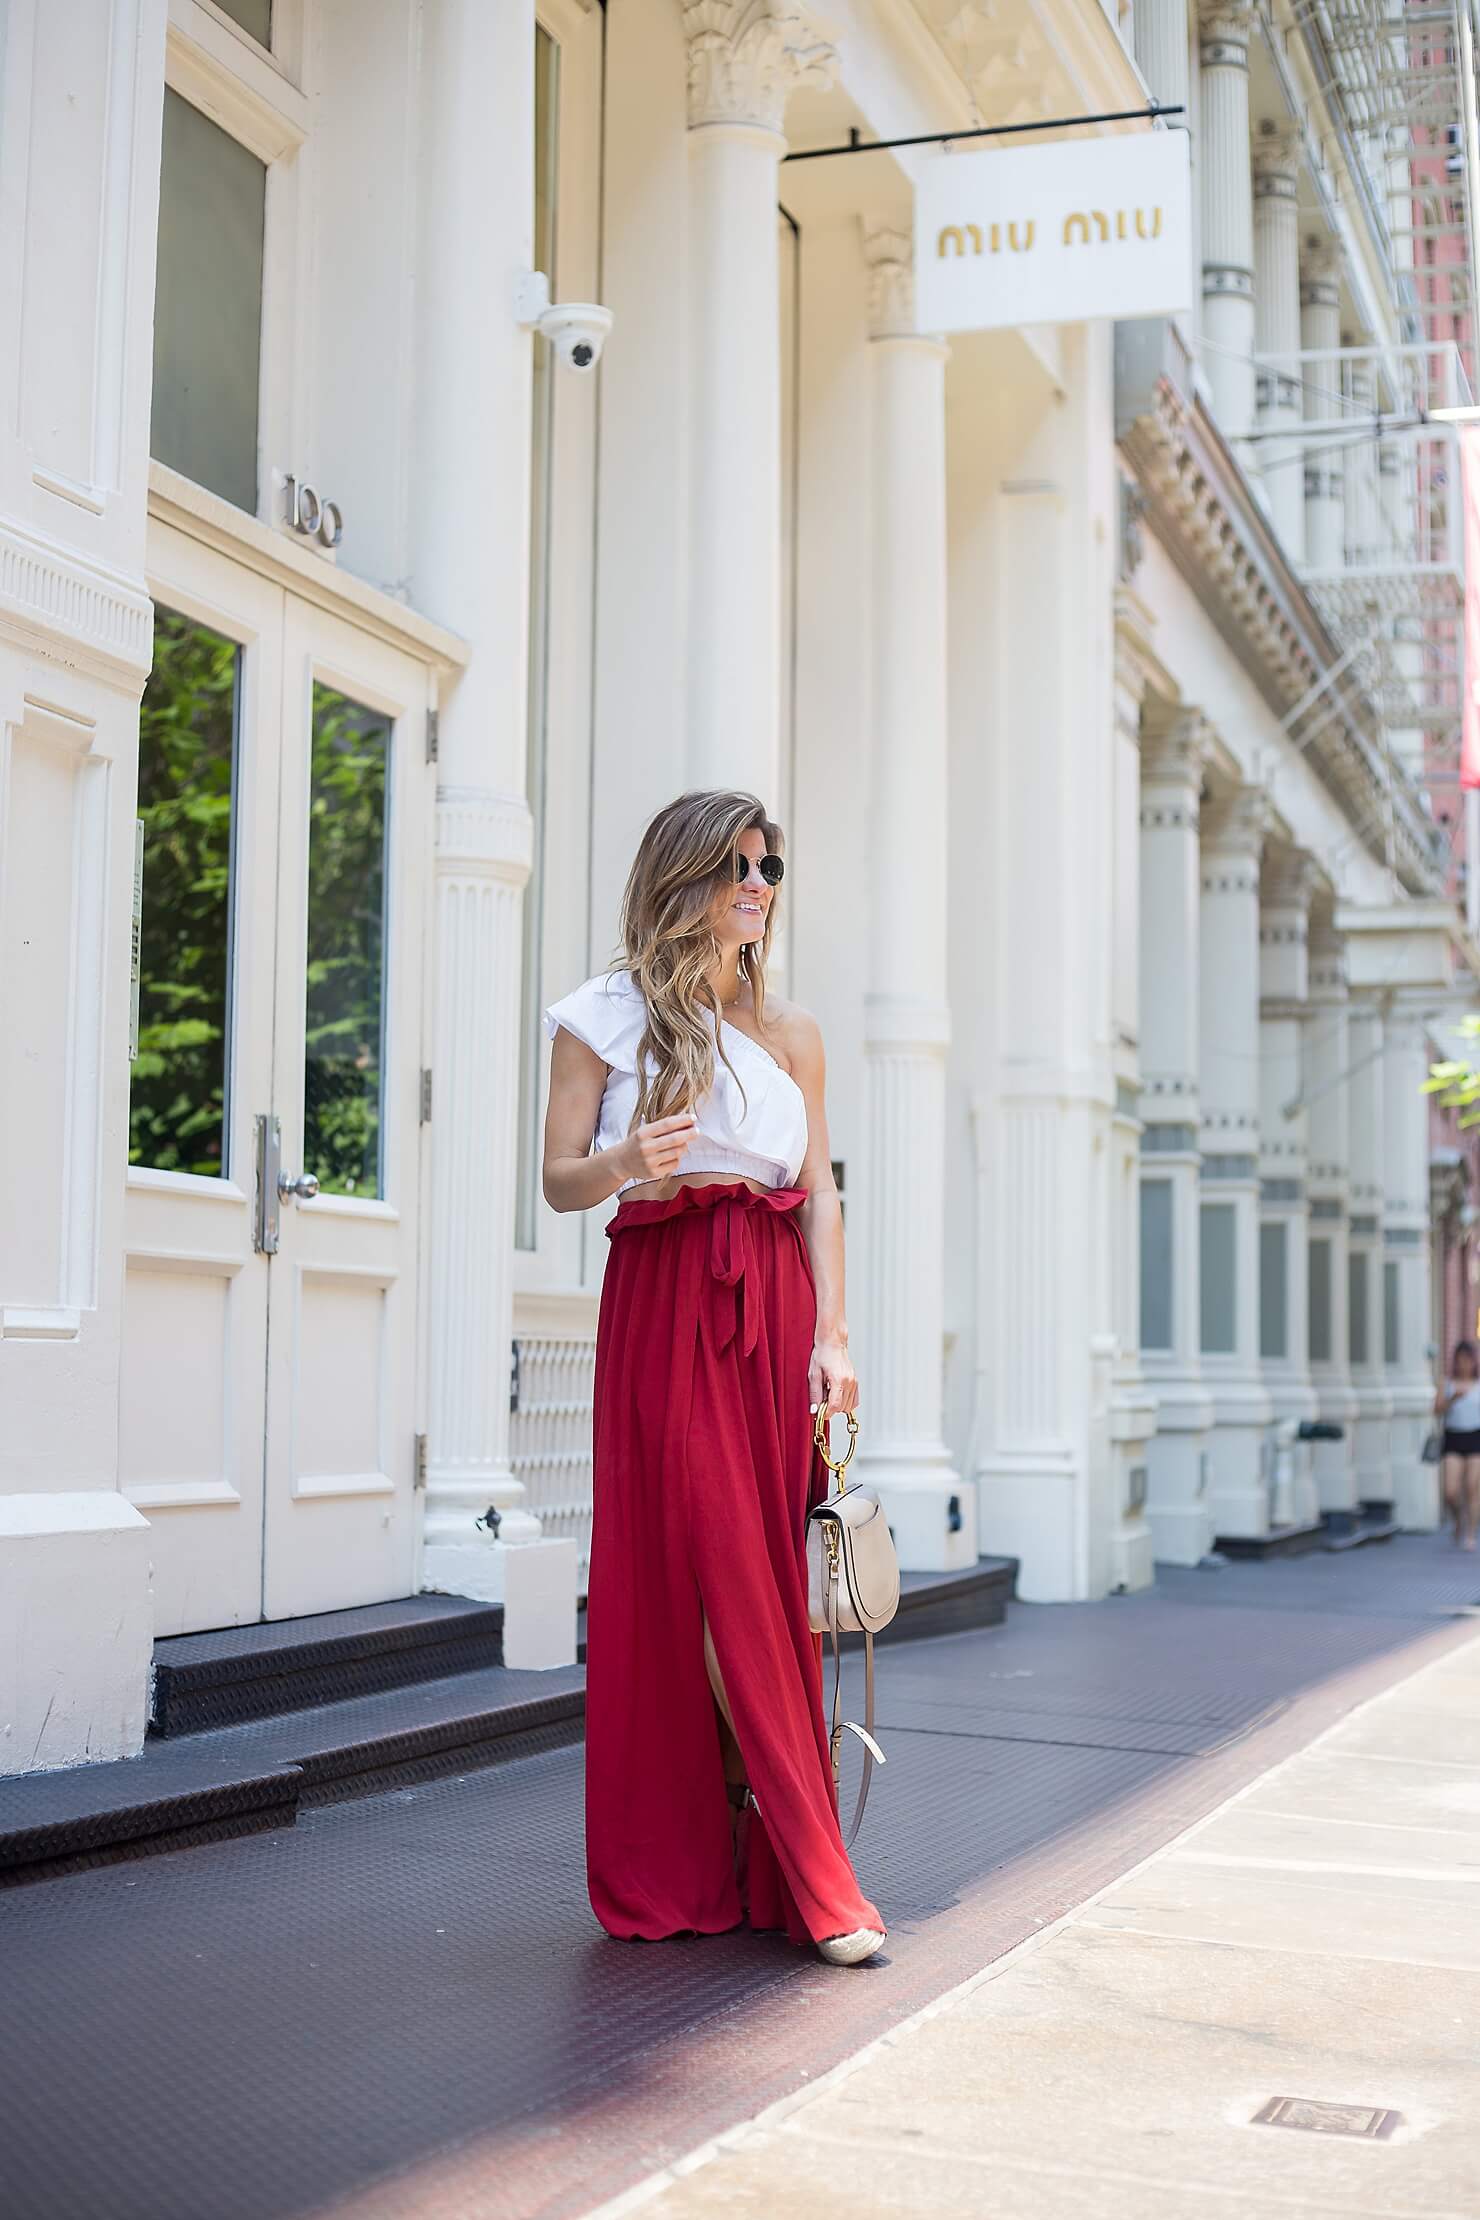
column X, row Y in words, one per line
column 303, row 1188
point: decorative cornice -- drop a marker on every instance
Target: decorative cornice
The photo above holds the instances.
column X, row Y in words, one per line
column 1289, row 881
column 746, row 57
column 1203, row 511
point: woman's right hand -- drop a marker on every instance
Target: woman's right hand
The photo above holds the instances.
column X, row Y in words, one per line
column 657, row 1148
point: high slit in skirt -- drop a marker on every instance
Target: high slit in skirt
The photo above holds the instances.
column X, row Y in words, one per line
column 704, row 1473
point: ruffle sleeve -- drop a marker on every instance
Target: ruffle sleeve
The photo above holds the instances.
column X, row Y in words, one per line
column 607, row 1014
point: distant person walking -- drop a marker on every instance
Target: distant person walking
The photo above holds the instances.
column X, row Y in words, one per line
column 1459, row 1403
column 682, row 1084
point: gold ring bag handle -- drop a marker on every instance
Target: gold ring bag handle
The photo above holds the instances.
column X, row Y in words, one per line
column 852, row 1587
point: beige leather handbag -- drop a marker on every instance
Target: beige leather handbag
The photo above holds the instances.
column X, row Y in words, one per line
column 852, row 1588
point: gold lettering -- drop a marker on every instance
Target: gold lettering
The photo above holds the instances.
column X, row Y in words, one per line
column 1012, row 237
column 951, row 231
column 1104, row 224
column 1155, row 231
column 1120, row 223
column 1083, row 224
column 976, row 238
column 996, row 238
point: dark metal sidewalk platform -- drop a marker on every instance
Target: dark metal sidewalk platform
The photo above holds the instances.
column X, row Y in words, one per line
column 400, row 2009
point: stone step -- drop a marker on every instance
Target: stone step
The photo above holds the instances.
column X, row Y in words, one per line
column 225, row 1678
column 259, row 1771
column 1284, row 1541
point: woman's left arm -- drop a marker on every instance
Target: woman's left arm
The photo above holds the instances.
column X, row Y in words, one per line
column 830, row 1377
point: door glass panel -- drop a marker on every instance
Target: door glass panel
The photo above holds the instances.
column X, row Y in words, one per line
column 343, row 1046
column 208, row 305
column 187, row 759
column 254, row 16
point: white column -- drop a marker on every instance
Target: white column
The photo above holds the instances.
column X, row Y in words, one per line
column 471, row 553
column 1320, row 327
column 1232, row 839
column 745, row 58
column 1130, row 1409
column 1284, row 923
column 1406, row 1308
column 906, row 1018
column 1364, row 1253
column 1328, row 1126
column 1227, row 213
column 1174, row 747
column 1277, row 332
column 1163, row 48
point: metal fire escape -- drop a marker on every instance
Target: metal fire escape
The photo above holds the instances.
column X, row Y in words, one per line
column 1385, row 565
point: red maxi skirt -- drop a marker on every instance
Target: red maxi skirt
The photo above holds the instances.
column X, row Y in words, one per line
column 704, row 1473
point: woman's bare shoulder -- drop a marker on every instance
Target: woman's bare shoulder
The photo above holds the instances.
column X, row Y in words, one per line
column 794, row 1027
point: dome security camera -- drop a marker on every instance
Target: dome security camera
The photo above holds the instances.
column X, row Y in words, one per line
column 577, row 330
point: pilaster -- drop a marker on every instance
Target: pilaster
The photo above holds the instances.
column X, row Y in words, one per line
column 1287, row 885
column 1175, row 744
column 1233, row 833
column 1370, row 1389
column 901, row 1225
column 1227, row 212
column 1328, row 1132
column 745, row 57
column 1407, row 1316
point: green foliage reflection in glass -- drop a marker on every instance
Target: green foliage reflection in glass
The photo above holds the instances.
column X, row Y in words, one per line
column 187, row 747
column 346, row 945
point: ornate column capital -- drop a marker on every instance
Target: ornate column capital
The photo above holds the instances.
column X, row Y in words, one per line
column 1236, row 822
column 747, row 56
column 1176, row 742
column 1224, row 30
column 1288, row 882
column 1328, row 982
column 1275, row 159
column 1320, row 273
column 890, row 256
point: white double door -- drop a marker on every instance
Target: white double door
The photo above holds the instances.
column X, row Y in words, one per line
column 268, row 1419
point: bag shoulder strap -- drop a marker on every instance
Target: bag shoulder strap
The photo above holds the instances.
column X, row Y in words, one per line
column 872, row 1754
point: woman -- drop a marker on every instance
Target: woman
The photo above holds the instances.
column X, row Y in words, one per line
column 681, row 1084
column 1459, row 1402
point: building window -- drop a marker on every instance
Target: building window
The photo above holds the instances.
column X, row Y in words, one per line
column 1356, row 1314
column 1392, row 1346
column 1156, row 1264
column 546, row 161
column 1218, row 1279
column 253, row 16
column 208, row 304
column 1274, row 1322
column 344, row 1012
column 1319, row 1313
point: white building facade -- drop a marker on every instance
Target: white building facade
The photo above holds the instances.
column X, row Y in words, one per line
column 348, row 638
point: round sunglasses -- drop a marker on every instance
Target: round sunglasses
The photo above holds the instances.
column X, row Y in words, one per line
column 771, row 869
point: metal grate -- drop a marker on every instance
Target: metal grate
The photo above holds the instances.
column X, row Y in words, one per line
column 1316, row 2117
column 550, row 1433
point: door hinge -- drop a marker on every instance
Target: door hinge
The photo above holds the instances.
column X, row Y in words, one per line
column 434, row 722
column 419, row 1463
column 426, row 1096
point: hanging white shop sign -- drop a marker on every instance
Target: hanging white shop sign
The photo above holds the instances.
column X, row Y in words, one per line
column 1054, row 234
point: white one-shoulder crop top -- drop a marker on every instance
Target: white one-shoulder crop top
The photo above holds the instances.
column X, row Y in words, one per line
column 760, row 1134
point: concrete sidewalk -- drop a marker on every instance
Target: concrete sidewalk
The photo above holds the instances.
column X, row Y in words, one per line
column 1317, row 1937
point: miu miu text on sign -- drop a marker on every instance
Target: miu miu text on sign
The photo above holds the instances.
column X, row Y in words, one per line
column 1054, row 234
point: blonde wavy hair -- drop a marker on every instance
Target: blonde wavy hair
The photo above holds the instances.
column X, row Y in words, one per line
column 684, row 861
